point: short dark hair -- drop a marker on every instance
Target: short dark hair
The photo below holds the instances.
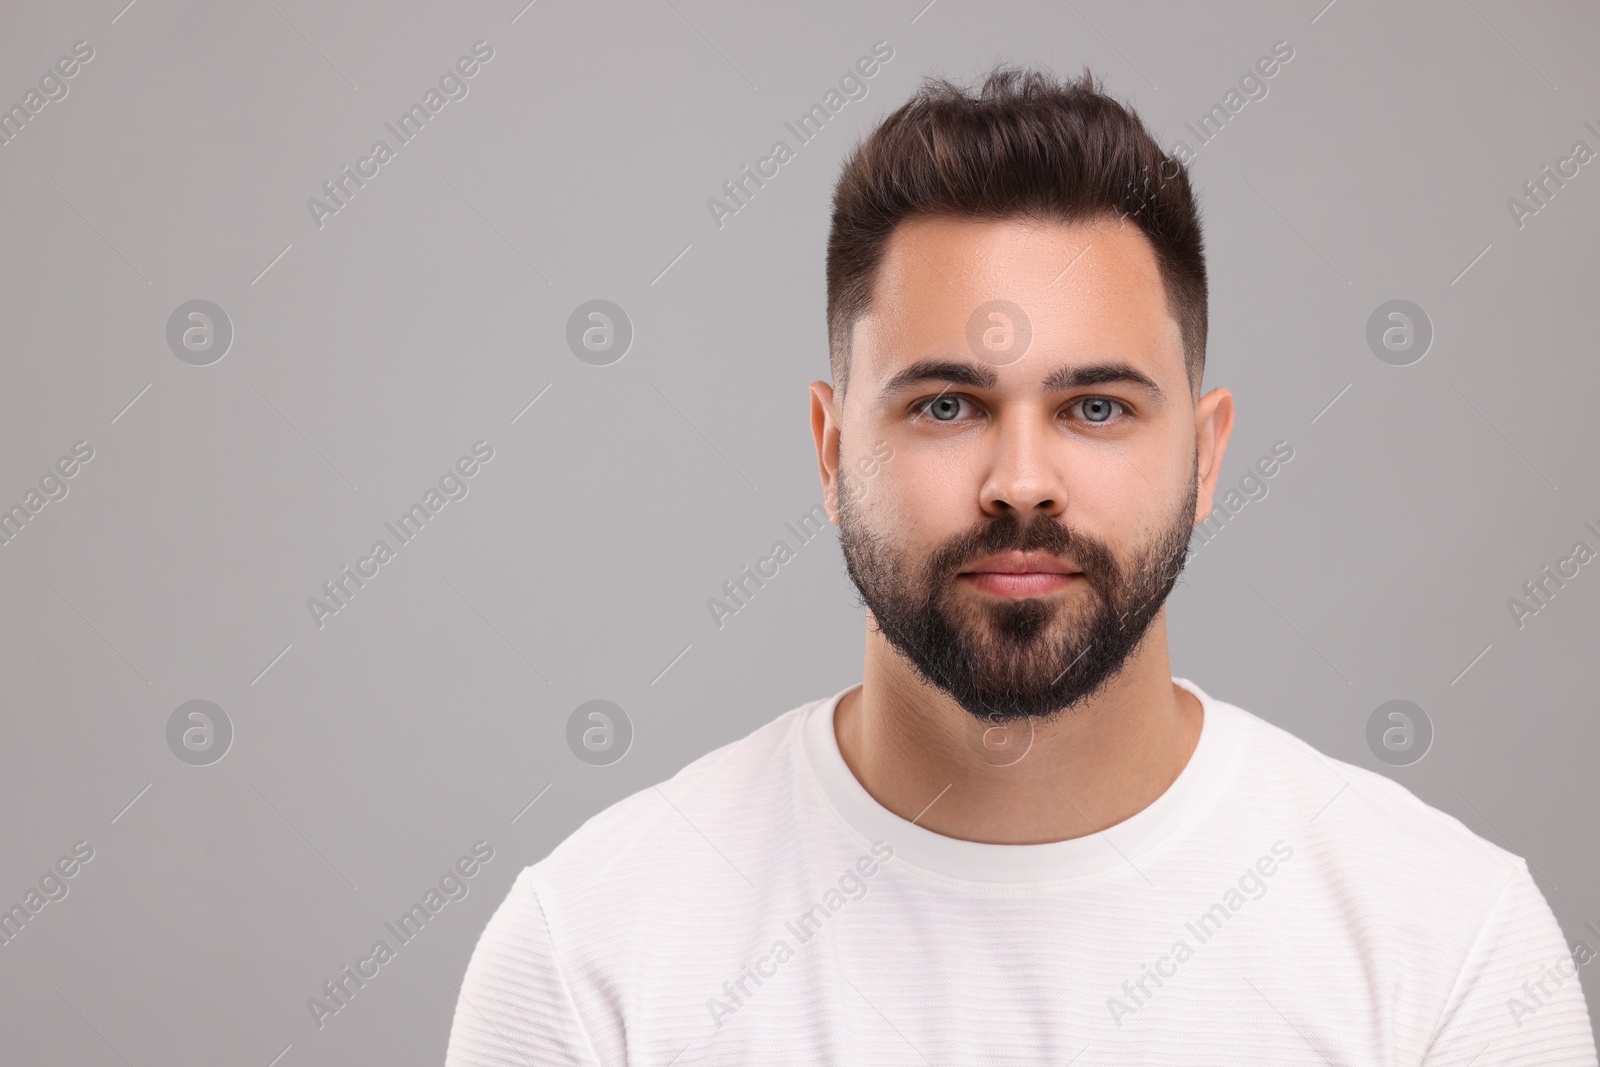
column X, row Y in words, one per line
column 1029, row 146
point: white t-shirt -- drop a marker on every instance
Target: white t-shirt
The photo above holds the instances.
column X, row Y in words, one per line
column 1273, row 906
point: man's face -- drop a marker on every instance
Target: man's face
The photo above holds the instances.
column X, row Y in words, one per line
column 1037, row 504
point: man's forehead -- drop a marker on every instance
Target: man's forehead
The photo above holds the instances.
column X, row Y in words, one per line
column 953, row 288
column 968, row 249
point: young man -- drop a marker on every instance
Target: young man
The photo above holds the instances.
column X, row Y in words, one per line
column 1020, row 839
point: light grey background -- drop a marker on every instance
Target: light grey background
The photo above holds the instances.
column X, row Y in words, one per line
column 370, row 354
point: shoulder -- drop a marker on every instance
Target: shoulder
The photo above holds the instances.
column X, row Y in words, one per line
column 1402, row 904
column 1366, row 834
column 673, row 827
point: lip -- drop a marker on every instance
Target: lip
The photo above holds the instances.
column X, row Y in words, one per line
column 1021, row 574
column 1022, row 563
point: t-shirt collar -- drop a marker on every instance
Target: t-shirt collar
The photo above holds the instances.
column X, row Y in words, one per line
column 1116, row 848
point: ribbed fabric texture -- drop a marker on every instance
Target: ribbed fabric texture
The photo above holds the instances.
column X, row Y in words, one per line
column 1274, row 906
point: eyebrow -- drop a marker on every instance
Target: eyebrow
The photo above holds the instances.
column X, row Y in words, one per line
column 1066, row 376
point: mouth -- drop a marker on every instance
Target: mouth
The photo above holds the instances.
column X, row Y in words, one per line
column 1015, row 575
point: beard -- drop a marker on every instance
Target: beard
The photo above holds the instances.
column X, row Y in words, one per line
column 1009, row 660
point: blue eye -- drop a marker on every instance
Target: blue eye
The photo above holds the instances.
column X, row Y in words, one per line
column 942, row 408
column 1098, row 404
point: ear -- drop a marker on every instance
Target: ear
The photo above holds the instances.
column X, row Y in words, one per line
column 1213, row 425
column 825, row 429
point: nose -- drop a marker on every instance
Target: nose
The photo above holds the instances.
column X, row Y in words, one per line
column 1024, row 472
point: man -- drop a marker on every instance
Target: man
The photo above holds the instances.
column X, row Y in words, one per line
column 1020, row 839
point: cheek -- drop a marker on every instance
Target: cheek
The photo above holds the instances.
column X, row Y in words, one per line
column 1122, row 499
column 929, row 496
column 1107, row 484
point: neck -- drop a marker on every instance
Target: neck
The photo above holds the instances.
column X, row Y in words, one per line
column 913, row 749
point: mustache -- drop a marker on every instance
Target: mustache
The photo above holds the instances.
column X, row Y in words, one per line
column 1006, row 533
